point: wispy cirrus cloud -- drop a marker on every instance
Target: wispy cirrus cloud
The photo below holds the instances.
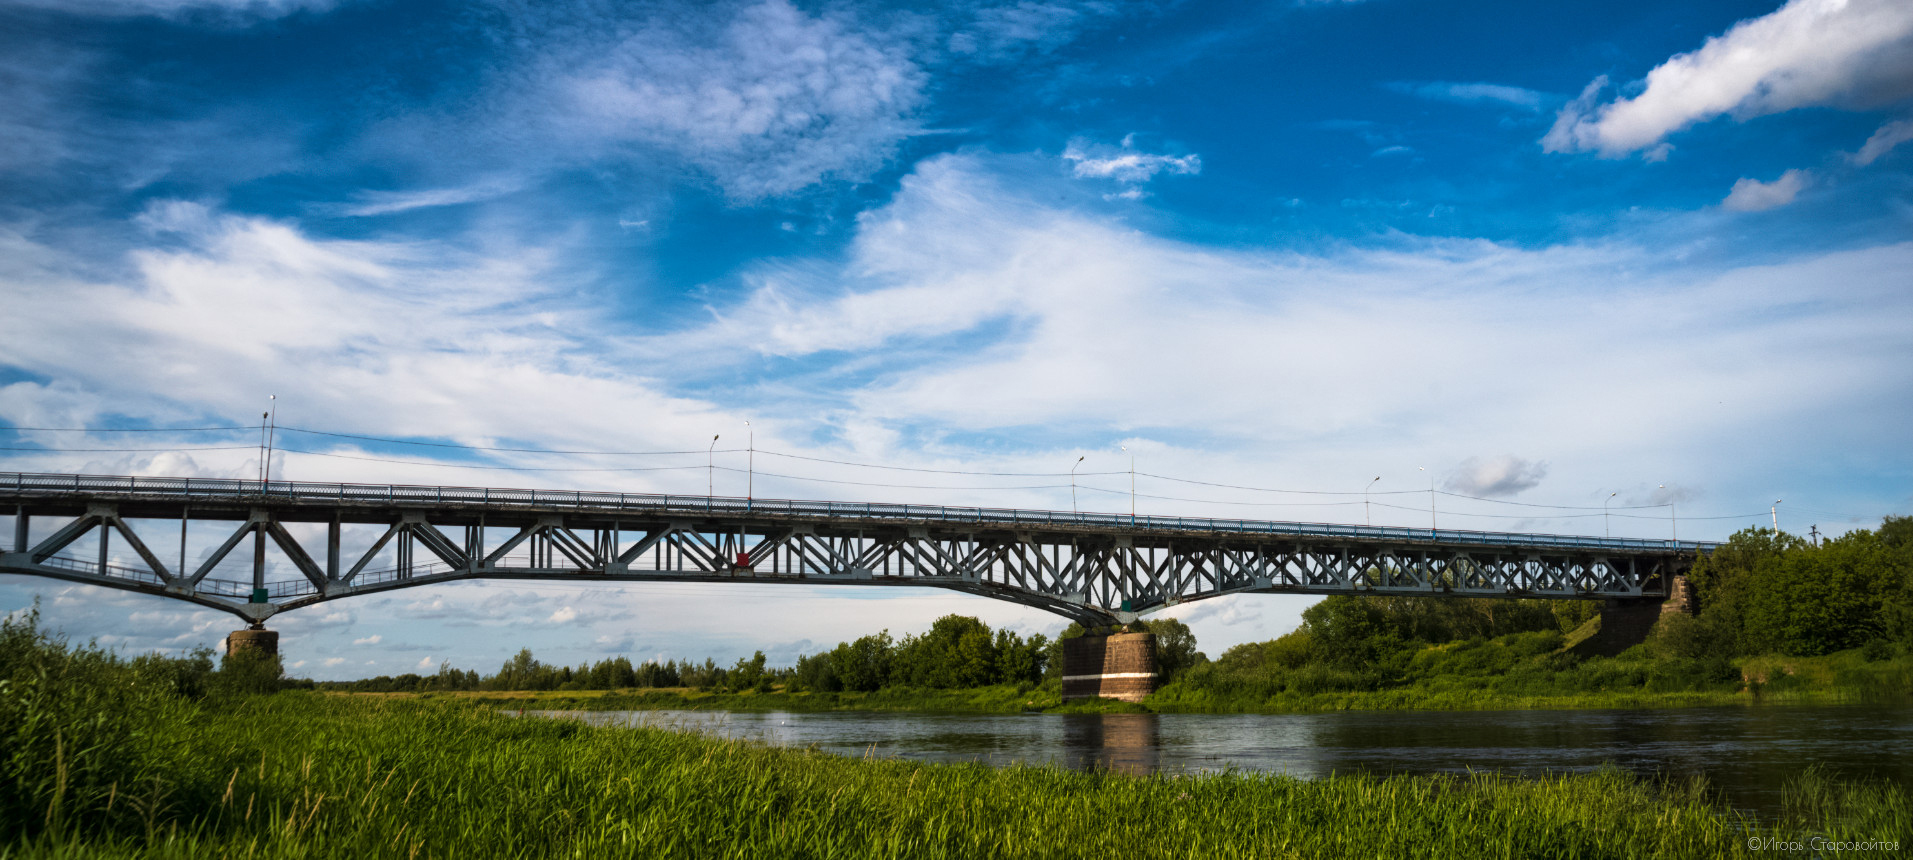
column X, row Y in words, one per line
column 374, row 203
column 214, row 11
column 772, row 100
column 1476, row 93
column 1002, row 32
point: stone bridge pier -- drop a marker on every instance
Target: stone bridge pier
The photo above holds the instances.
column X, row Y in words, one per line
column 1122, row 666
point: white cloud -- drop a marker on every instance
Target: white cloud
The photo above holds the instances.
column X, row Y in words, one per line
column 1124, row 163
column 424, row 664
column 1883, row 141
column 334, row 661
column 1476, row 93
column 1808, row 52
column 373, row 639
column 994, row 313
column 774, row 101
column 563, row 615
column 1495, row 477
column 1752, row 195
column 219, row 309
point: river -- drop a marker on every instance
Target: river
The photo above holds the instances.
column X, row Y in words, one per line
column 1746, row 753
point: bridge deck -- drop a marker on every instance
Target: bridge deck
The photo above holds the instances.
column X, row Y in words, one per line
column 20, row 488
column 1091, row 567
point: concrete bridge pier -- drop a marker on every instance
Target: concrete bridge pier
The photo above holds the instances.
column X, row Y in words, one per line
column 255, row 639
column 1122, row 666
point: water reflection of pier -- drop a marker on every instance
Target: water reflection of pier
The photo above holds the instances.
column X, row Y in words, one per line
column 1124, row 743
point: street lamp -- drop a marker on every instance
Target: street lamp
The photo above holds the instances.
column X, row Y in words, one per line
column 1072, row 482
column 1776, row 514
column 1673, row 518
column 710, row 468
column 750, row 463
column 1606, row 529
column 272, row 433
column 1431, row 498
column 1132, row 484
column 1366, row 516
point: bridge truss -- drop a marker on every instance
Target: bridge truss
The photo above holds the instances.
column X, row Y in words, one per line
column 1092, row 568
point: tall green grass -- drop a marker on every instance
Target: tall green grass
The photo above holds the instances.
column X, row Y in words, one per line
column 301, row 775
column 110, row 758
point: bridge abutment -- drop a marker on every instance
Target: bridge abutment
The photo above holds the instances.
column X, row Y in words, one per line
column 1627, row 622
column 1121, row 667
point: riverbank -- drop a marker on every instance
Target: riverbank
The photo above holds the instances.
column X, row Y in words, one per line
column 301, row 775
column 1842, row 678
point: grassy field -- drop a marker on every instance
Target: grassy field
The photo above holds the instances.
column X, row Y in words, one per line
column 301, row 775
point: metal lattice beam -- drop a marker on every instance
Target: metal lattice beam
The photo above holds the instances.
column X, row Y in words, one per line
column 1093, row 568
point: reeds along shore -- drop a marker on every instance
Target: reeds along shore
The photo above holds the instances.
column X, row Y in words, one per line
column 296, row 775
column 105, row 759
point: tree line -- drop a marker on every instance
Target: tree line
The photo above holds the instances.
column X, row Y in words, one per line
column 958, row 651
column 1774, row 593
column 1759, row 593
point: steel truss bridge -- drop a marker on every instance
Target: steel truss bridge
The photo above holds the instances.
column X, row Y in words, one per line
column 1093, row 568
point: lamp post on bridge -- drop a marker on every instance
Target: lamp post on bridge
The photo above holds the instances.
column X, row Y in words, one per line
column 1431, row 499
column 710, row 468
column 272, row 433
column 1776, row 514
column 1606, row 530
column 1072, row 482
column 1132, row 484
column 750, row 462
column 1673, row 518
column 1366, row 516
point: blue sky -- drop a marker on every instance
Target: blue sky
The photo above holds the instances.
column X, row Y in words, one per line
column 1642, row 254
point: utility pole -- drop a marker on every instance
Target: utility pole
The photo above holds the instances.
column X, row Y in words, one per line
column 1814, row 533
column 1776, row 514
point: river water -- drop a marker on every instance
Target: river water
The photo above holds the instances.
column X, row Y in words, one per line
column 1748, row 753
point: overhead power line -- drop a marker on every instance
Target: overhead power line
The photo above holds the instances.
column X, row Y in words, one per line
column 128, row 429
column 131, row 450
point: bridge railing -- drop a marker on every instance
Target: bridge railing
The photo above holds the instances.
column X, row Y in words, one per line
column 22, row 483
